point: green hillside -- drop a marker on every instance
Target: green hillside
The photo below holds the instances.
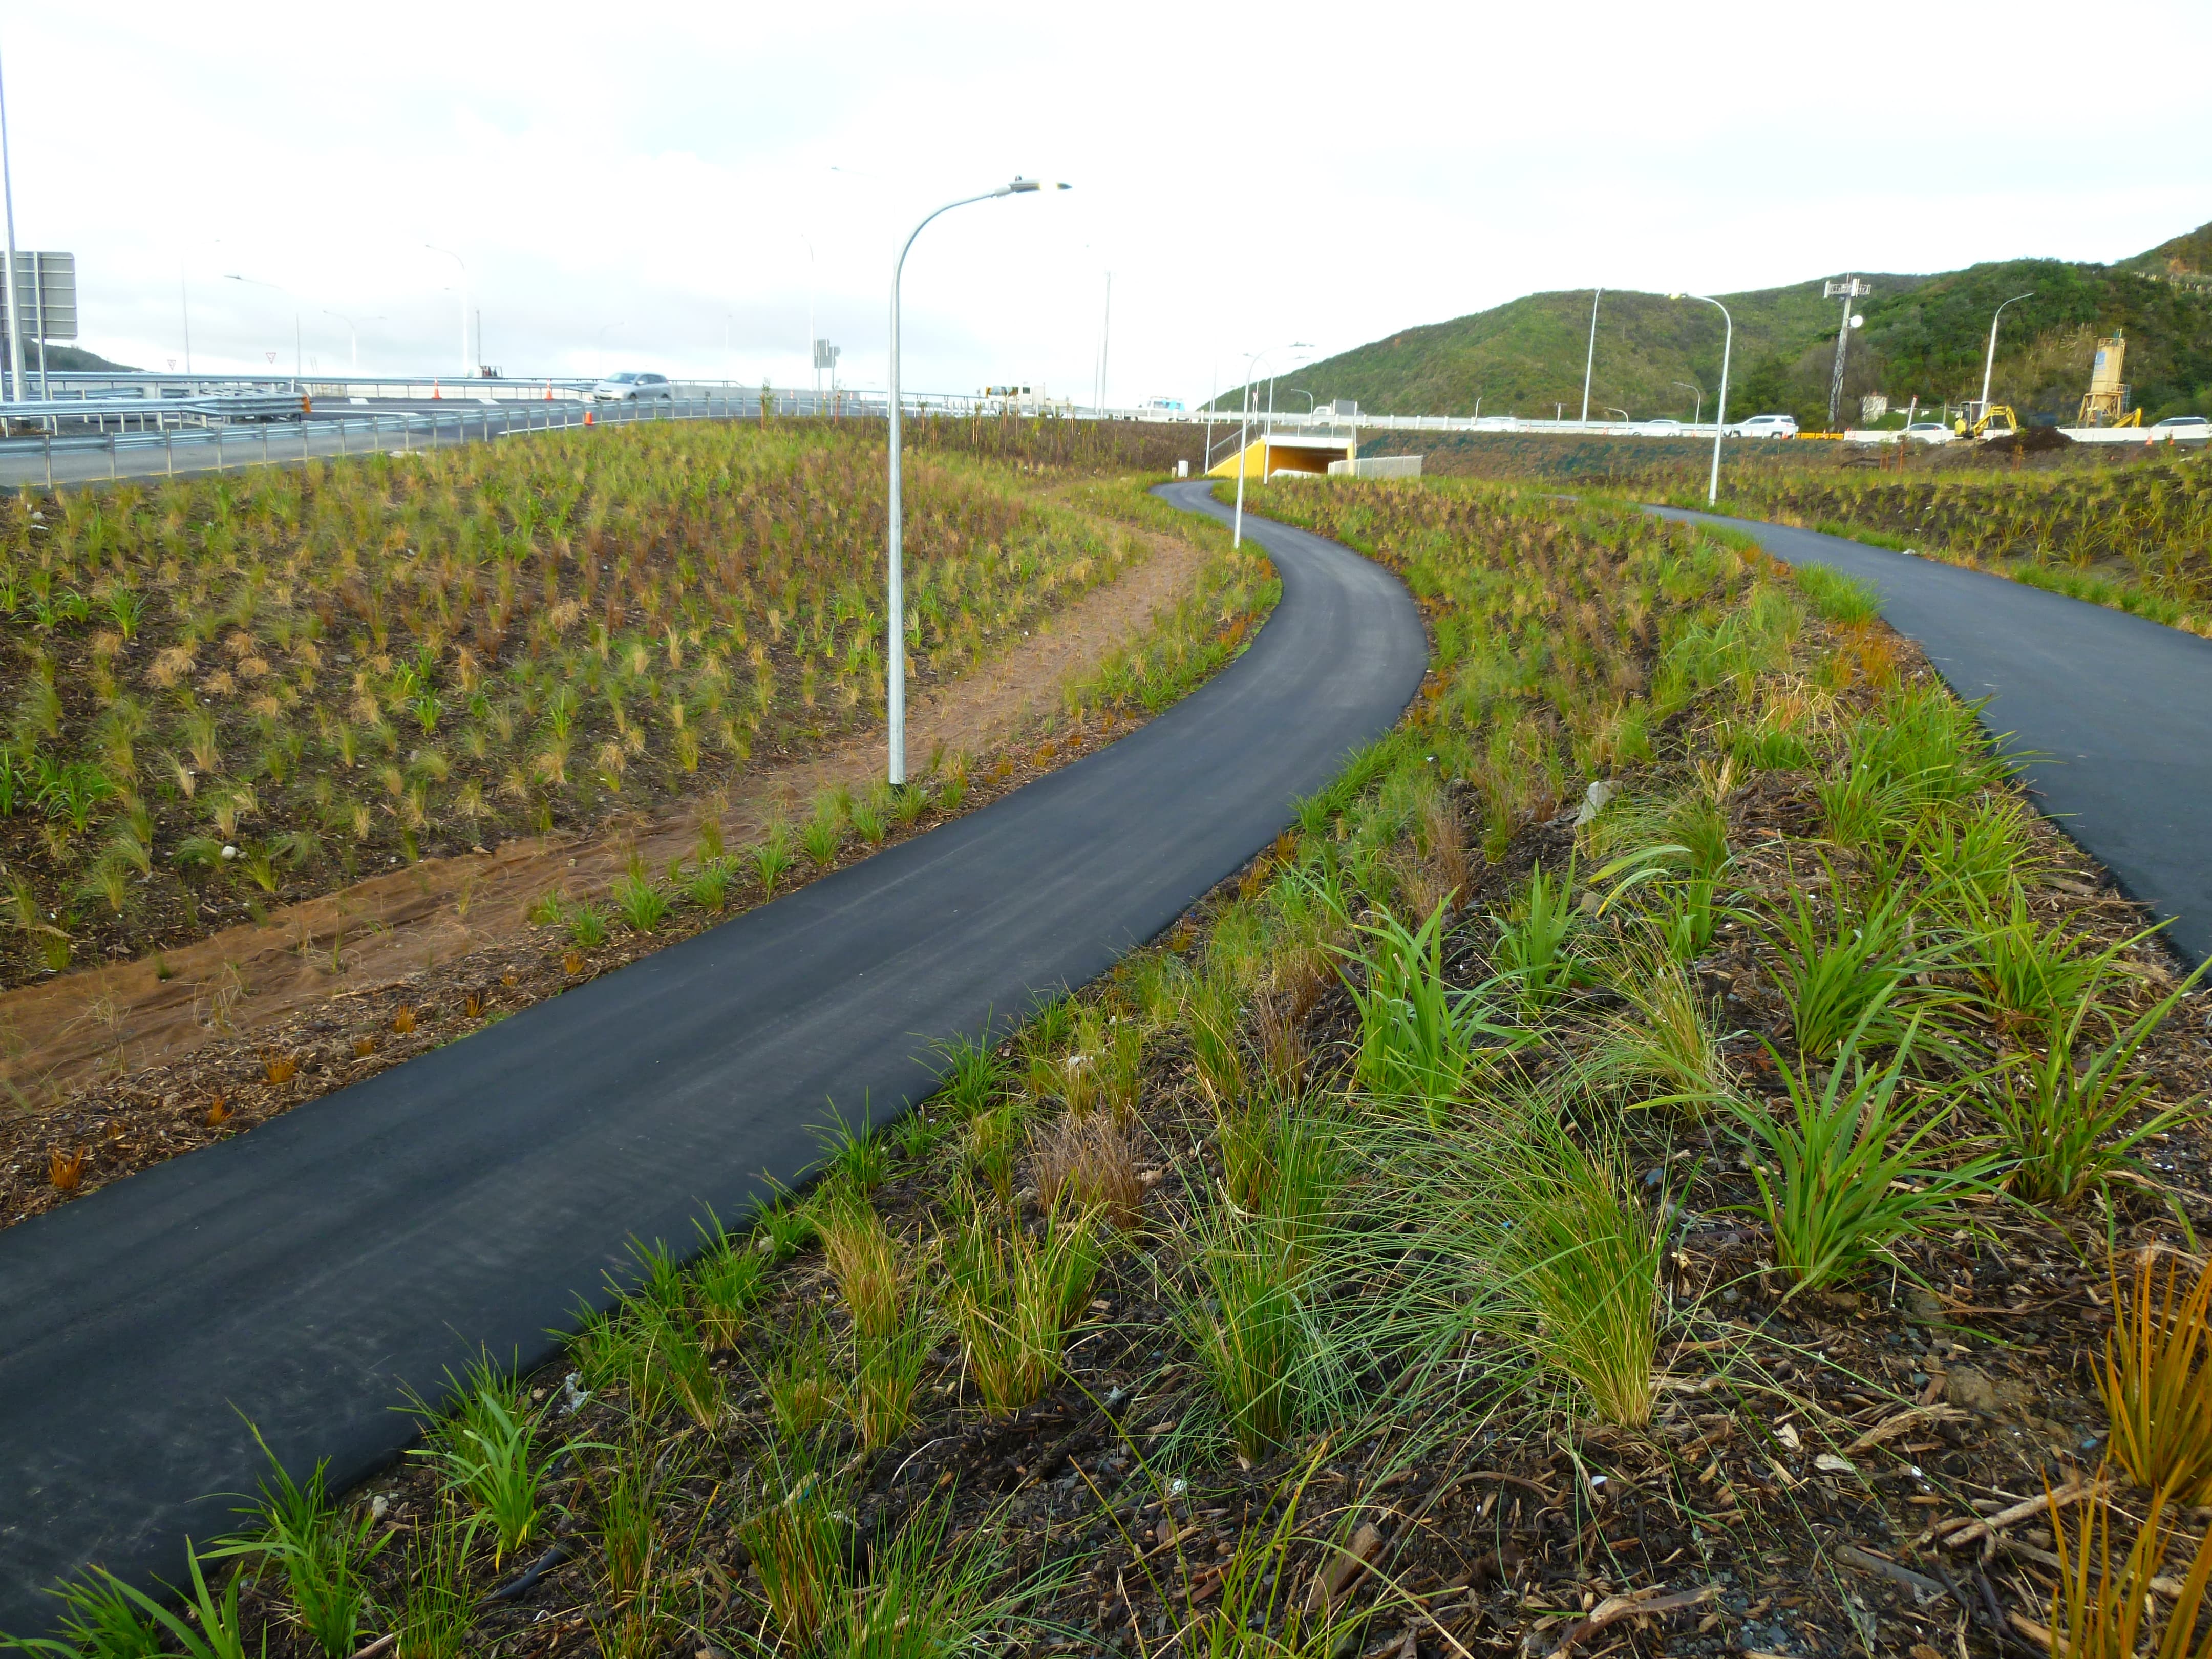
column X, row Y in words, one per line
column 1923, row 336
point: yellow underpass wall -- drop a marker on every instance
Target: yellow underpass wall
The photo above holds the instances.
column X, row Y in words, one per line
column 1262, row 458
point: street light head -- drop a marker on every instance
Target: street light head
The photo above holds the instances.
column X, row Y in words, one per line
column 1673, row 296
column 1022, row 187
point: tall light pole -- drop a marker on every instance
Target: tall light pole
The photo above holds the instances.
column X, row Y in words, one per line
column 1990, row 363
column 1589, row 359
column 1849, row 289
column 895, row 668
column 1720, row 408
column 1687, row 385
column 288, row 294
column 813, row 345
column 463, row 265
column 1244, row 427
column 353, row 332
column 15, row 305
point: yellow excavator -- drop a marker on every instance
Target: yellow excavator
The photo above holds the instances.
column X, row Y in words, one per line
column 1995, row 421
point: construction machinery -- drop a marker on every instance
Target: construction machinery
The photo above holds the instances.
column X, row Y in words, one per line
column 2106, row 403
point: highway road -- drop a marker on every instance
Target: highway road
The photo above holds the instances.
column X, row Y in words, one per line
column 2112, row 715
column 304, row 1276
column 332, row 431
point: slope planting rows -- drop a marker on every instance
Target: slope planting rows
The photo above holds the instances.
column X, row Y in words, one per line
column 232, row 693
column 1680, row 1215
column 2128, row 527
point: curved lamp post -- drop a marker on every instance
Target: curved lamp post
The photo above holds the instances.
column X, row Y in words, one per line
column 895, row 668
column 1990, row 363
column 1688, row 385
column 1243, row 427
column 1720, row 408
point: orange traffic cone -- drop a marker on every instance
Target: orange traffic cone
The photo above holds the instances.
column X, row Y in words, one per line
column 434, row 391
column 549, row 392
column 589, row 420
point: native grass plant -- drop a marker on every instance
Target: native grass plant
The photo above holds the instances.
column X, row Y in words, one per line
column 2156, row 1379
column 1851, row 1168
column 2104, row 1607
column 322, row 1555
column 1850, row 970
column 1013, row 1291
column 103, row 1616
column 1340, row 1248
column 1422, row 1041
column 1534, row 951
column 329, row 669
column 487, row 1449
column 2064, row 1115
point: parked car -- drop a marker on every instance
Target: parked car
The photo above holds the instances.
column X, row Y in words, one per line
column 2184, row 426
column 1659, row 429
column 631, row 385
column 1928, row 432
column 1767, row 426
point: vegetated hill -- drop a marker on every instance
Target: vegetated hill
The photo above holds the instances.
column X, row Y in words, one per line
column 70, row 359
column 1924, row 337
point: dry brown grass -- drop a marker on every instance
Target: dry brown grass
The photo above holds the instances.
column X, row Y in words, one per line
column 863, row 1258
column 403, row 1021
column 1093, row 1160
column 65, row 1171
column 279, row 1069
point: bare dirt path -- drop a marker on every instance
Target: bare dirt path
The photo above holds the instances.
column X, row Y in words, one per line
column 111, row 1022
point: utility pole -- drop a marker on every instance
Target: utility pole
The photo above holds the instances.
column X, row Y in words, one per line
column 1849, row 289
column 1105, row 339
column 1591, row 360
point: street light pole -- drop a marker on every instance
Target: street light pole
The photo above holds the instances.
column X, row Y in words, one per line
column 895, row 667
column 1590, row 359
column 463, row 265
column 1720, row 408
column 353, row 332
column 14, row 307
column 1990, row 363
column 1688, row 385
column 1243, row 427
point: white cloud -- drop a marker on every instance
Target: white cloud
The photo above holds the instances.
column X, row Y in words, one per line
column 640, row 185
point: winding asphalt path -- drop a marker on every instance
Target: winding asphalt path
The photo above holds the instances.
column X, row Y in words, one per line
column 306, row 1275
column 2111, row 714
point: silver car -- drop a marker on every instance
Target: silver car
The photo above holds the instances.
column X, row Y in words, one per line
column 631, row 385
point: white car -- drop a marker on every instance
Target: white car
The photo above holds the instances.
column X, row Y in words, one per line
column 631, row 385
column 1659, row 429
column 2184, row 426
column 1928, row 432
column 1767, row 426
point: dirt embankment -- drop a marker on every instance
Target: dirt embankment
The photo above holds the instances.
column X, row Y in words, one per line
column 129, row 1064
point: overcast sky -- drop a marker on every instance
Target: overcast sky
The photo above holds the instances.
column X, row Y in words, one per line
column 674, row 187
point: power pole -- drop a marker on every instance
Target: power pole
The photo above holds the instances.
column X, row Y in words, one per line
column 1849, row 289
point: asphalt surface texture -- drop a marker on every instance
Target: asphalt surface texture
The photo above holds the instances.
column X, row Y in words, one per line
column 2110, row 716
column 307, row 1276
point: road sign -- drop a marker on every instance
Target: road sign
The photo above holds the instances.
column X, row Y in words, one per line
column 46, row 295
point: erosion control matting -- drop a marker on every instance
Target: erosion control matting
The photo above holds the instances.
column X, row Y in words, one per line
column 2109, row 714
column 305, row 1277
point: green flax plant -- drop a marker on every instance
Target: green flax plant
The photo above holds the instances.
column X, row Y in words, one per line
column 1422, row 1041
column 107, row 1619
column 323, row 1555
column 2030, row 978
column 1852, row 1168
column 488, row 1451
column 1850, row 972
column 1974, row 857
column 2064, row 1115
column 1534, row 953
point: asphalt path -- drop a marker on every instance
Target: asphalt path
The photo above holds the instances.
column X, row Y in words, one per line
column 307, row 1275
column 2109, row 714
